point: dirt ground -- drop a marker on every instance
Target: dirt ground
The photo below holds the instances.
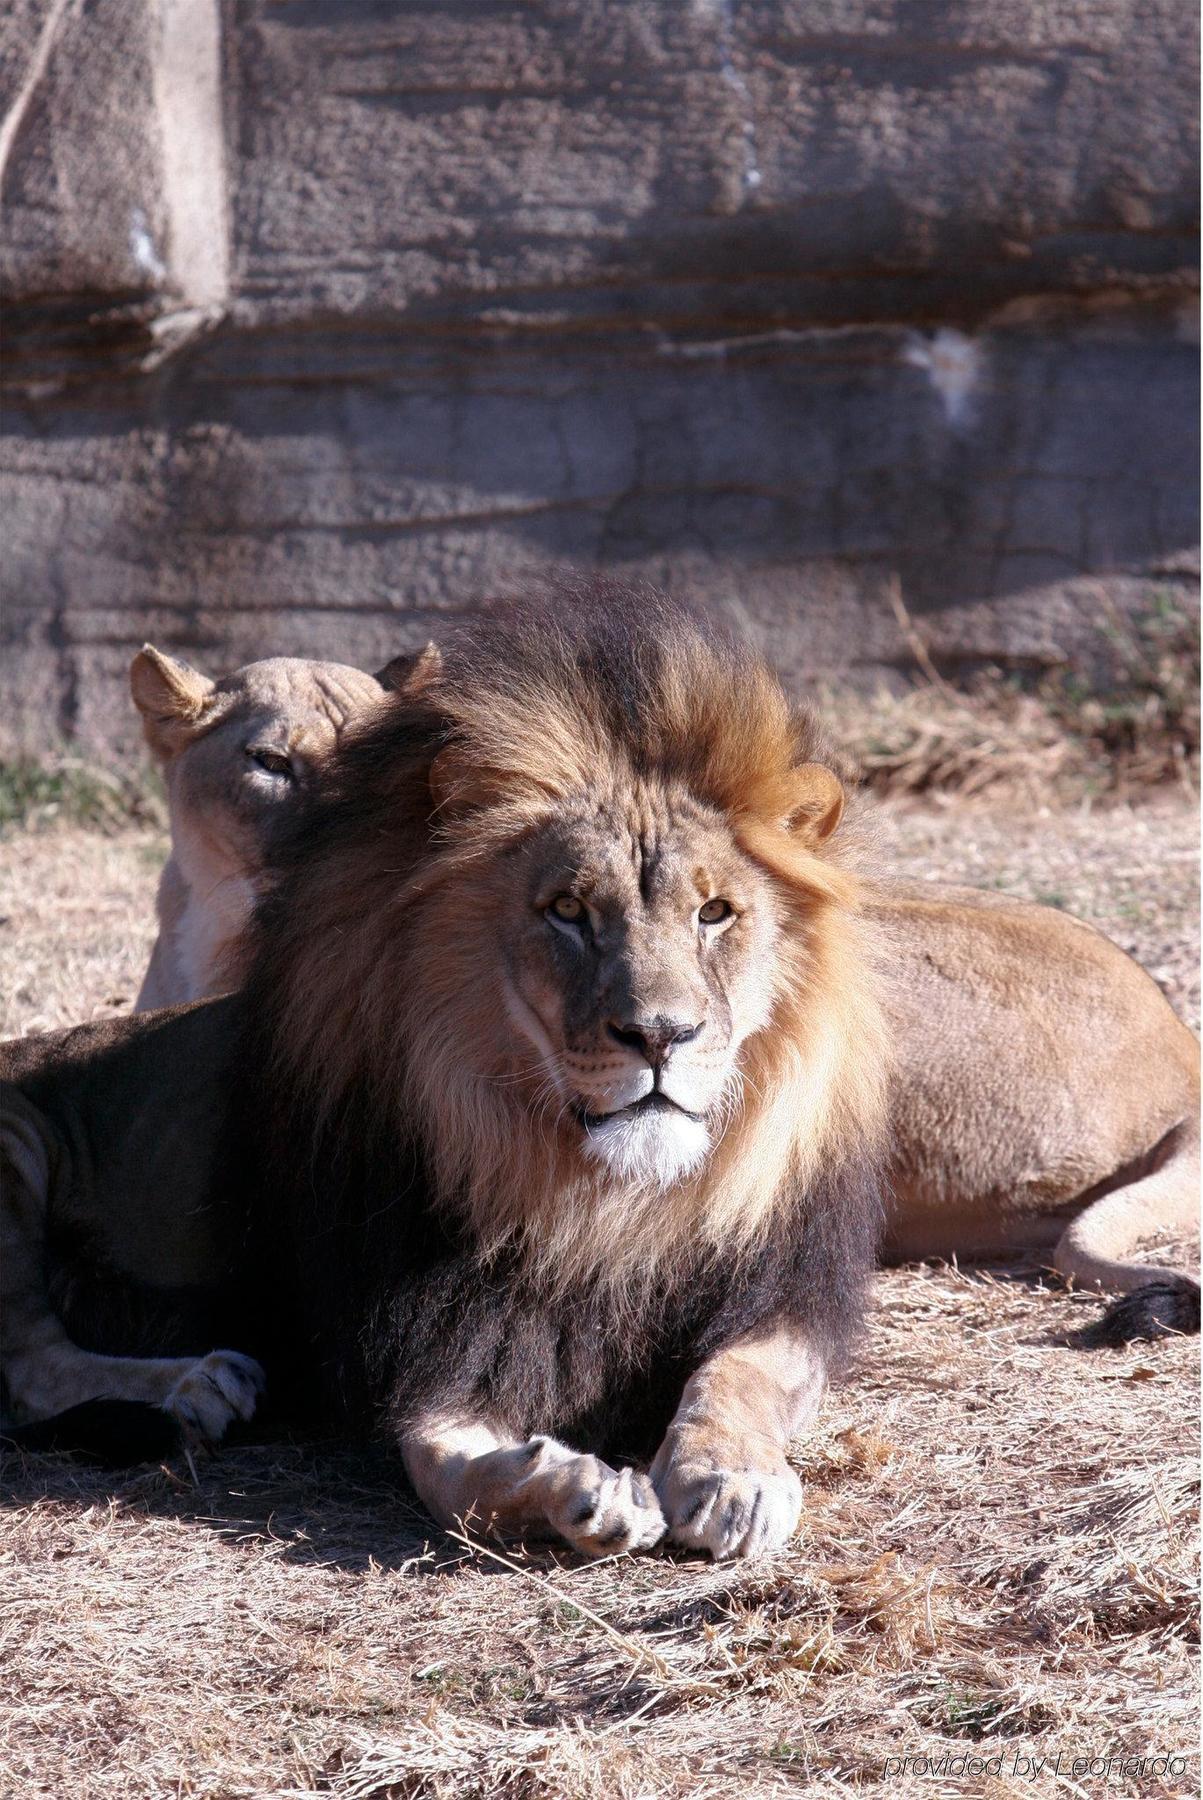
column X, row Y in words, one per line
column 993, row 1591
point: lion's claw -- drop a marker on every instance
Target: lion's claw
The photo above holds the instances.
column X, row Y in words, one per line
column 601, row 1511
column 730, row 1512
column 218, row 1388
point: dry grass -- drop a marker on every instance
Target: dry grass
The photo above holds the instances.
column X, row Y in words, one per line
column 997, row 738
column 77, row 920
column 997, row 1559
column 1134, row 729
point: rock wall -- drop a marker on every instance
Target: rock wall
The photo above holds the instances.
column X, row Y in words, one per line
column 326, row 320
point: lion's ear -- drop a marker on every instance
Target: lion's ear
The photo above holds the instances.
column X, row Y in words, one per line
column 412, row 672
column 171, row 696
column 815, row 803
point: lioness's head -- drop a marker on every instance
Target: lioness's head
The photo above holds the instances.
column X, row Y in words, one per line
column 237, row 755
column 237, row 750
column 594, row 934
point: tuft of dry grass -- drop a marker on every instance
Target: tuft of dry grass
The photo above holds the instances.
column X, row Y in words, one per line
column 990, row 737
column 1061, row 738
column 996, row 1569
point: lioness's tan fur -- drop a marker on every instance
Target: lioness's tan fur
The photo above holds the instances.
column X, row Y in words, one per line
column 1047, row 1096
column 206, row 734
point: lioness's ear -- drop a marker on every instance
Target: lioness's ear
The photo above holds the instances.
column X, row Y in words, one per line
column 171, row 696
column 413, row 671
column 816, row 803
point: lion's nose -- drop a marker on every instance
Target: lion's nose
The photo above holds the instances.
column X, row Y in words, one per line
column 654, row 1038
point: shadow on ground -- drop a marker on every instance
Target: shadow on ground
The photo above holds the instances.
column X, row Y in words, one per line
column 324, row 1504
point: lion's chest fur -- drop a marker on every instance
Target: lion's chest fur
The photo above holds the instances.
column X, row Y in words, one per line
column 406, row 1317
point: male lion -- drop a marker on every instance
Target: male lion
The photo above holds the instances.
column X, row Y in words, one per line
column 1017, row 1119
column 236, row 755
column 553, row 1108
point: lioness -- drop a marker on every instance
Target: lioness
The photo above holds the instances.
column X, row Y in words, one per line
column 1045, row 1097
column 236, row 754
column 549, row 1126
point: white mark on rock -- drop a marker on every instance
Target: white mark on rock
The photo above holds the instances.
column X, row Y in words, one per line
column 188, row 93
column 142, row 246
column 954, row 365
column 723, row 13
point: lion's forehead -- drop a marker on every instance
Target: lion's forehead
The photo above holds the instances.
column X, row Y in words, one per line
column 642, row 843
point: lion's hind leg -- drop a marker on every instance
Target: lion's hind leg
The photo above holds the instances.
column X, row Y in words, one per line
column 45, row 1373
column 1095, row 1249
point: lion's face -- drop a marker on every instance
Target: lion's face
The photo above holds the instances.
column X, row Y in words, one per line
column 638, row 945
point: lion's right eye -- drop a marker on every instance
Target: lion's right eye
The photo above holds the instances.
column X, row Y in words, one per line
column 715, row 911
column 567, row 908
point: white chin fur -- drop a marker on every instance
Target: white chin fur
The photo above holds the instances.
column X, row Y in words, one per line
column 656, row 1148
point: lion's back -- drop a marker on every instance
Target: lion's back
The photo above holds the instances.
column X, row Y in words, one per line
column 1035, row 1058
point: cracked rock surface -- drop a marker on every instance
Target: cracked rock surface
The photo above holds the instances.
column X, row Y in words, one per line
column 323, row 321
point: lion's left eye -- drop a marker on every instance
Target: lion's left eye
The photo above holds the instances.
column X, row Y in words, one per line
column 568, row 908
column 272, row 762
column 715, row 911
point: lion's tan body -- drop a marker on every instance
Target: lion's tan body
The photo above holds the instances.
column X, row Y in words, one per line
column 1035, row 1062
column 1046, row 1096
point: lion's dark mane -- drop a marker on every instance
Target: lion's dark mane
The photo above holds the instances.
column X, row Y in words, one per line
column 397, row 1314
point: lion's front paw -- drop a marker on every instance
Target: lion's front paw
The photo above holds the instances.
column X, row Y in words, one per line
column 730, row 1512
column 217, row 1389
column 600, row 1510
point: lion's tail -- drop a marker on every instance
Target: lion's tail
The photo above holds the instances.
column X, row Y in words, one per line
column 1095, row 1248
